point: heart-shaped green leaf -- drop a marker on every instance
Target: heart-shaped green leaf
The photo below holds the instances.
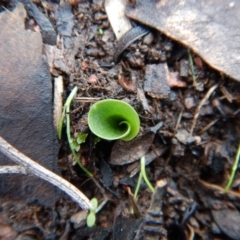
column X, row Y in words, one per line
column 113, row 119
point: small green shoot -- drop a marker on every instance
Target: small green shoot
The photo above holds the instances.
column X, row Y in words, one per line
column 91, row 218
column 137, row 190
column 138, row 185
column 66, row 105
column 78, row 140
column 192, row 67
column 100, row 31
column 142, row 175
column 143, row 172
column 72, row 143
column 234, row 169
column 112, row 119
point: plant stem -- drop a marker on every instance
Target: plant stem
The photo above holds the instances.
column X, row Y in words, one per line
column 70, row 140
column 101, row 205
column 234, row 168
column 192, row 67
column 143, row 171
column 138, row 185
column 60, row 124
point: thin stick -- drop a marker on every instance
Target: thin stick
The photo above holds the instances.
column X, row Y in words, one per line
column 207, row 127
column 208, row 94
column 36, row 169
column 87, row 99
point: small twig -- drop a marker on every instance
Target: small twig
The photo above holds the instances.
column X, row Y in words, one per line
column 178, row 120
column 57, row 101
column 36, row 169
column 87, row 99
column 197, row 112
column 13, row 169
column 207, row 126
column 234, row 168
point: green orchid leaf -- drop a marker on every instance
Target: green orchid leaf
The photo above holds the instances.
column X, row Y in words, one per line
column 75, row 146
column 91, row 219
column 112, row 119
column 81, row 138
column 94, row 203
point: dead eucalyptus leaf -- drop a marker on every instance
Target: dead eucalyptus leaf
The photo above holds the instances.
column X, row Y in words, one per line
column 127, row 152
column 209, row 28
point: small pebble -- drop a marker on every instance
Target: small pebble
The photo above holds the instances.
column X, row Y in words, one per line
column 189, row 102
column 93, row 79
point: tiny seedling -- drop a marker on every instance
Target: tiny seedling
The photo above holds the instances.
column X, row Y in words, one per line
column 234, row 169
column 142, row 175
column 112, row 119
column 198, row 85
column 79, row 138
column 91, row 218
column 138, row 185
column 100, row 31
column 72, row 142
column 192, row 67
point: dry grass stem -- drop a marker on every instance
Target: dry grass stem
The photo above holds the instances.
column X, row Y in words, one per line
column 206, row 97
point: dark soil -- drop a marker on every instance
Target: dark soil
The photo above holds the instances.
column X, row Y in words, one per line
column 196, row 167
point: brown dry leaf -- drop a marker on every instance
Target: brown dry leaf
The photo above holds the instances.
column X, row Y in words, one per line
column 127, row 152
column 228, row 221
column 125, row 84
column 209, row 27
column 25, row 108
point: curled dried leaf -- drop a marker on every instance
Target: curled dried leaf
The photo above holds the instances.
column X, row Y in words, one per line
column 125, row 84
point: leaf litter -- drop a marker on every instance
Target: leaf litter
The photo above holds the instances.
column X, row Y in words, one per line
column 192, row 149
